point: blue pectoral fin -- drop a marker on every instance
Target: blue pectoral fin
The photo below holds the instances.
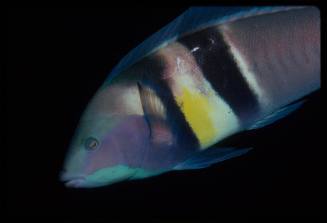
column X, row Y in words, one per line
column 277, row 115
column 209, row 157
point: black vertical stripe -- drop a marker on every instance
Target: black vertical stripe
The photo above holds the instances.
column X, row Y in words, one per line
column 152, row 69
column 220, row 69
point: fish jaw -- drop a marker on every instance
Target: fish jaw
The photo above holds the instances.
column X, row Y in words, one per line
column 102, row 177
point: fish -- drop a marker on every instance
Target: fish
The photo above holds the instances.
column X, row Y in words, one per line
column 211, row 73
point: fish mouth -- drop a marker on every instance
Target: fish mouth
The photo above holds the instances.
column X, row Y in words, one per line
column 74, row 181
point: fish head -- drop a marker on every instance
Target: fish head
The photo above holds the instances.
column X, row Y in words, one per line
column 121, row 124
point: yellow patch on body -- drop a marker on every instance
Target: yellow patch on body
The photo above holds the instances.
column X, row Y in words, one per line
column 207, row 113
column 197, row 108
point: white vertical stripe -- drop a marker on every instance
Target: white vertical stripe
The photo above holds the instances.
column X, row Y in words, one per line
column 247, row 73
column 208, row 114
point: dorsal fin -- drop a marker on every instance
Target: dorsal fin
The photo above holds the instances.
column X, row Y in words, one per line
column 193, row 19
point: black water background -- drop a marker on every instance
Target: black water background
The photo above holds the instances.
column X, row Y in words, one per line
column 57, row 58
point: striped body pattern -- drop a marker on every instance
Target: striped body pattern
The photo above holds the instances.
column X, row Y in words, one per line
column 170, row 101
column 226, row 77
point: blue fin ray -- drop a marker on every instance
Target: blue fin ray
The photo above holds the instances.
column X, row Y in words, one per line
column 209, row 157
column 277, row 115
column 191, row 20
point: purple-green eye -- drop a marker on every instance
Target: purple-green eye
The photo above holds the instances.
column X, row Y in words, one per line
column 91, row 144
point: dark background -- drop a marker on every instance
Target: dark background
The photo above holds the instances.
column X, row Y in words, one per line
column 57, row 58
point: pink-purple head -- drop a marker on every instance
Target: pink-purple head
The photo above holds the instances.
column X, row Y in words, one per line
column 117, row 140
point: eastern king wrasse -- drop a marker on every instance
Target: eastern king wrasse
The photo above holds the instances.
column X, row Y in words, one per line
column 211, row 73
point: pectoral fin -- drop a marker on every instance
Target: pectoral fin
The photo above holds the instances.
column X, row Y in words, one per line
column 155, row 115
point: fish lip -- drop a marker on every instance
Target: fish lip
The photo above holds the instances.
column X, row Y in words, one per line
column 75, row 183
column 73, row 180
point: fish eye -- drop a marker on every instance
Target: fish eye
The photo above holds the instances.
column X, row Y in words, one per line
column 91, row 144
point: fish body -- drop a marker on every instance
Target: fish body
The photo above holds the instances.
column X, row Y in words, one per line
column 211, row 73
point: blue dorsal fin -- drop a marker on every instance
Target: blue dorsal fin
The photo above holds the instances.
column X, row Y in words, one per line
column 277, row 115
column 193, row 19
column 209, row 157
